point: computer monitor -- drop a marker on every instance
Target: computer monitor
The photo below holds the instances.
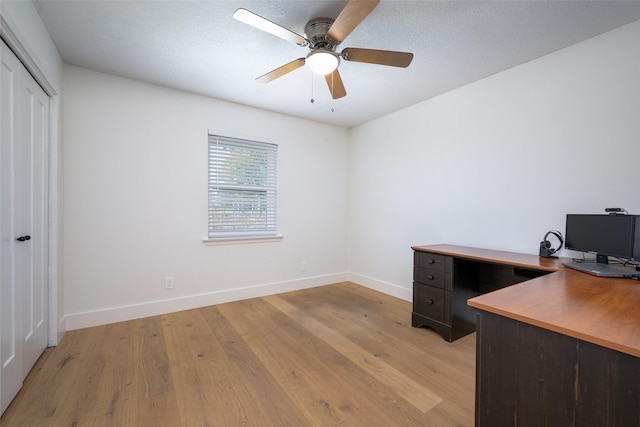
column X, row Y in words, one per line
column 604, row 235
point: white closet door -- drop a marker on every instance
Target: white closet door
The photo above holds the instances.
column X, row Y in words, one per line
column 23, row 223
column 32, row 203
column 11, row 366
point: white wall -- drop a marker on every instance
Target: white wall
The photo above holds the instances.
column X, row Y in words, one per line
column 136, row 201
column 24, row 31
column 498, row 163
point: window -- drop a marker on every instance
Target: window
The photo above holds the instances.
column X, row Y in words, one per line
column 242, row 188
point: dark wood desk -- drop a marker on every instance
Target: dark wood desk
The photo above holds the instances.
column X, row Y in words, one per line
column 562, row 349
column 446, row 276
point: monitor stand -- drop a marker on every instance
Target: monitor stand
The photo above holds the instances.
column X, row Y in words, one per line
column 601, row 268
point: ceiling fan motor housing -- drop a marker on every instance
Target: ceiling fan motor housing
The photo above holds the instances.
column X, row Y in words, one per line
column 316, row 32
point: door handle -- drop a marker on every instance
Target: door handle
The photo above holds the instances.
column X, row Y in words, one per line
column 23, row 238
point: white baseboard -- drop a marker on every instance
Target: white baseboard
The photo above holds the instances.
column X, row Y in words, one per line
column 137, row 311
column 380, row 286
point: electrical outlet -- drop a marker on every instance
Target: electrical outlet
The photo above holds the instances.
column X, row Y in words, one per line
column 305, row 266
column 168, row 283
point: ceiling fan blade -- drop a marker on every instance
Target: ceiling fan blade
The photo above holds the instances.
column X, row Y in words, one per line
column 381, row 57
column 336, row 87
column 281, row 71
column 243, row 15
column 351, row 15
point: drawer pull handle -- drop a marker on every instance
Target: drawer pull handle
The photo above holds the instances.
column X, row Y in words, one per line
column 430, row 301
column 431, row 261
column 431, row 277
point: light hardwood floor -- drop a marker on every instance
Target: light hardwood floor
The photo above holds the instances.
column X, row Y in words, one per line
column 337, row 355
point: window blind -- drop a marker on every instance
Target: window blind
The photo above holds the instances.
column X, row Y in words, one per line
column 242, row 188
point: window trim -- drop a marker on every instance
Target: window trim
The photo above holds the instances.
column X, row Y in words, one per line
column 237, row 240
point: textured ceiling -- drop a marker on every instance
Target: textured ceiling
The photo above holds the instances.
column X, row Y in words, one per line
column 198, row 47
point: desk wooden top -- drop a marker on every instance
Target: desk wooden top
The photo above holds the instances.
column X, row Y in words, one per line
column 497, row 257
column 602, row 311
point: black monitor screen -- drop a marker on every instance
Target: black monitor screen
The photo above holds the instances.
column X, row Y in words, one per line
column 610, row 235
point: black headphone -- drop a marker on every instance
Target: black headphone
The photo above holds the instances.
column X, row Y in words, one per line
column 545, row 246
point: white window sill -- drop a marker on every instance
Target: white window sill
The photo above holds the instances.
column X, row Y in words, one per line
column 241, row 240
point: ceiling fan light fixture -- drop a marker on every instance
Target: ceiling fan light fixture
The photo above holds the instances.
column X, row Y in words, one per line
column 322, row 61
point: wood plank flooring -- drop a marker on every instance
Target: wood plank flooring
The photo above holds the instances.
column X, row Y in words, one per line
column 337, row 355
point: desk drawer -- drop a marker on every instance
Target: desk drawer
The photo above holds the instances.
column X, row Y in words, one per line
column 429, row 260
column 429, row 276
column 429, row 301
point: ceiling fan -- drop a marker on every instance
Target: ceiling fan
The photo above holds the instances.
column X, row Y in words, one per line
column 323, row 35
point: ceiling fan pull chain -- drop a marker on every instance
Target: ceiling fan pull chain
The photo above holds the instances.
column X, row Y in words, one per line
column 312, row 100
